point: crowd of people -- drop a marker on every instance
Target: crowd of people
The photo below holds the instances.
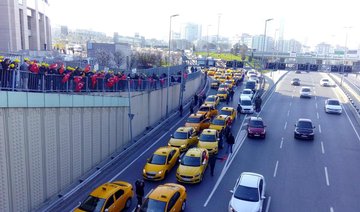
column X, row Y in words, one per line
column 32, row 75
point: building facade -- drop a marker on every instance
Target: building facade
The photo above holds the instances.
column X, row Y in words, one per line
column 191, row 32
column 258, row 43
column 24, row 25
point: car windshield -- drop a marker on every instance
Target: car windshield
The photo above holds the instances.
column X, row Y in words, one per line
column 225, row 112
column 246, row 92
column 152, row 205
column 304, row 124
column 180, row 135
column 207, row 138
column 193, row 120
column 205, row 109
column 218, row 122
column 158, row 159
column 250, row 85
column 296, row 79
column 222, row 92
column 256, row 123
column 92, row 204
column 190, row 161
column 210, row 99
column 246, row 102
column 306, row 90
column 247, row 193
column 333, row 102
column 325, row 80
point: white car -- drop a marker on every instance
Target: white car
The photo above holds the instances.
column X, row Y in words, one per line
column 248, row 193
column 333, row 106
column 246, row 105
column 325, row 82
column 247, row 92
column 305, row 92
column 254, row 77
column 249, row 73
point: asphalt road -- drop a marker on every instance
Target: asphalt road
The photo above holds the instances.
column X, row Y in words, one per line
column 319, row 175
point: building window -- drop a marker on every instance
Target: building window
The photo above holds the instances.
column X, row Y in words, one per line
column 20, row 1
column 29, row 22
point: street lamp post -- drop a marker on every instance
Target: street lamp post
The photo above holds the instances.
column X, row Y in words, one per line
column 218, row 31
column 273, row 53
column 345, row 52
column 168, row 71
column 131, row 116
column 263, row 61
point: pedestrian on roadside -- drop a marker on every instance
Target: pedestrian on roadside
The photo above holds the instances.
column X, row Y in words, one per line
column 221, row 139
column 212, row 162
column 238, row 109
column 230, row 140
column 181, row 110
column 200, row 102
column 227, row 98
column 191, row 107
column 196, row 98
column 139, row 185
column 232, row 94
column 258, row 102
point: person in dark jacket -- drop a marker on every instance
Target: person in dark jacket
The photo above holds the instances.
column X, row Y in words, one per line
column 181, row 110
column 196, row 98
column 230, row 140
column 258, row 102
column 139, row 186
column 212, row 162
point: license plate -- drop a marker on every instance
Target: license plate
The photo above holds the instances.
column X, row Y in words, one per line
column 304, row 136
column 257, row 135
column 150, row 176
column 186, row 179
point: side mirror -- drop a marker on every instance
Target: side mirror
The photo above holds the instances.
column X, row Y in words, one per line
column 295, row 125
column 232, row 191
column 204, row 162
column 179, row 160
column 263, row 197
column 264, row 125
column 148, row 160
column 314, row 127
column 172, row 136
column 107, row 209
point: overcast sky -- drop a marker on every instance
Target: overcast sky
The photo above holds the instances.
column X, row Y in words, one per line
column 308, row 21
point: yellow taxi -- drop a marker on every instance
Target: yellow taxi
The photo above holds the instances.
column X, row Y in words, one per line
column 211, row 72
column 165, row 198
column 209, row 140
column 198, row 121
column 215, row 84
column 224, row 86
column 217, row 75
column 111, row 196
column 160, row 163
column 212, row 99
column 209, row 110
column 228, row 76
column 238, row 76
column 220, row 122
column 230, row 82
column 222, row 94
column 192, row 166
column 229, row 111
column 222, row 79
column 183, row 138
column 229, row 71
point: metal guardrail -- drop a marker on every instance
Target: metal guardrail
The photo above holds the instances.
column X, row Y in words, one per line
column 16, row 80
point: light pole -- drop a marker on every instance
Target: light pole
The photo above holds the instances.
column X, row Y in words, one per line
column 345, row 52
column 207, row 39
column 263, row 61
column 168, row 71
column 218, row 32
column 273, row 53
column 131, row 116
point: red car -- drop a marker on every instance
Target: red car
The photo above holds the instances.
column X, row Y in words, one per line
column 256, row 128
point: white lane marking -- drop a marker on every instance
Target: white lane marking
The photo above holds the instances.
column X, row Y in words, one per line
column 285, row 125
column 315, row 97
column 319, row 128
column 276, row 167
column 327, row 177
column 331, row 209
column 316, row 105
column 317, row 115
column 122, row 171
column 322, row 148
column 290, row 104
column 281, row 144
column 288, row 114
column 268, row 204
column 314, row 91
column 292, row 96
column 351, row 123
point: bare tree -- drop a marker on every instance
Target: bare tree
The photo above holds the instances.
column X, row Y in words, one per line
column 119, row 58
column 243, row 50
column 104, row 58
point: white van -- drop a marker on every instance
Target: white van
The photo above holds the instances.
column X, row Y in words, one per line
column 246, row 105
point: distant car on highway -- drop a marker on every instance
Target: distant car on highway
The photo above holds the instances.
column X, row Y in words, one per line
column 247, row 92
column 256, row 127
column 208, row 139
column 295, row 81
column 229, row 111
column 304, row 129
column 325, row 82
column 251, row 84
column 198, row 121
column 167, row 197
column 333, row 106
column 160, row 163
column 183, row 138
column 248, row 193
column 246, row 105
column 305, row 92
column 297, row 72
column 212, row 99
column 110, row 196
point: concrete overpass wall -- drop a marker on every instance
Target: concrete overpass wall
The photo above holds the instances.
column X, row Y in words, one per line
column 48, row 141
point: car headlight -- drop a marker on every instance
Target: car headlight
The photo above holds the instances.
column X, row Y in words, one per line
column 144, row 171
column 160, row 172
column 184, row 145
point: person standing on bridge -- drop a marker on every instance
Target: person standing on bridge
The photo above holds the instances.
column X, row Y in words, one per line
column 258, row 102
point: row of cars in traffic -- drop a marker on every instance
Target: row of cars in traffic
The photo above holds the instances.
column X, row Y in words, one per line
column 189, row 148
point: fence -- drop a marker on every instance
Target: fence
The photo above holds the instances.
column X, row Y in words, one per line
column 30, row 82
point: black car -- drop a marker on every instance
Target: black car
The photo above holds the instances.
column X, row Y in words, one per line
column 304, row 129
column 295, row 81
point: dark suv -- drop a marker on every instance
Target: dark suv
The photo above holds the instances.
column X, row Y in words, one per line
column 304, row 129
column 256, row 128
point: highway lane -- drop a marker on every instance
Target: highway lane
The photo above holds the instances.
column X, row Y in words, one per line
column 130, row 169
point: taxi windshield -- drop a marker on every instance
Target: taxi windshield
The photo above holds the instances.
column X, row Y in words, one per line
column 210, row 99
column 190, row 161
column 204, row 109
column 180, row 135
column 153, row 205
column 207, row 138
column 158, row 159
column 219, row 122
column 225, row 112
column 92, row 204
column 193, row 120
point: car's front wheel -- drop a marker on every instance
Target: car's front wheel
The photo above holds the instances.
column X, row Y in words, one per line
column 128, row 203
